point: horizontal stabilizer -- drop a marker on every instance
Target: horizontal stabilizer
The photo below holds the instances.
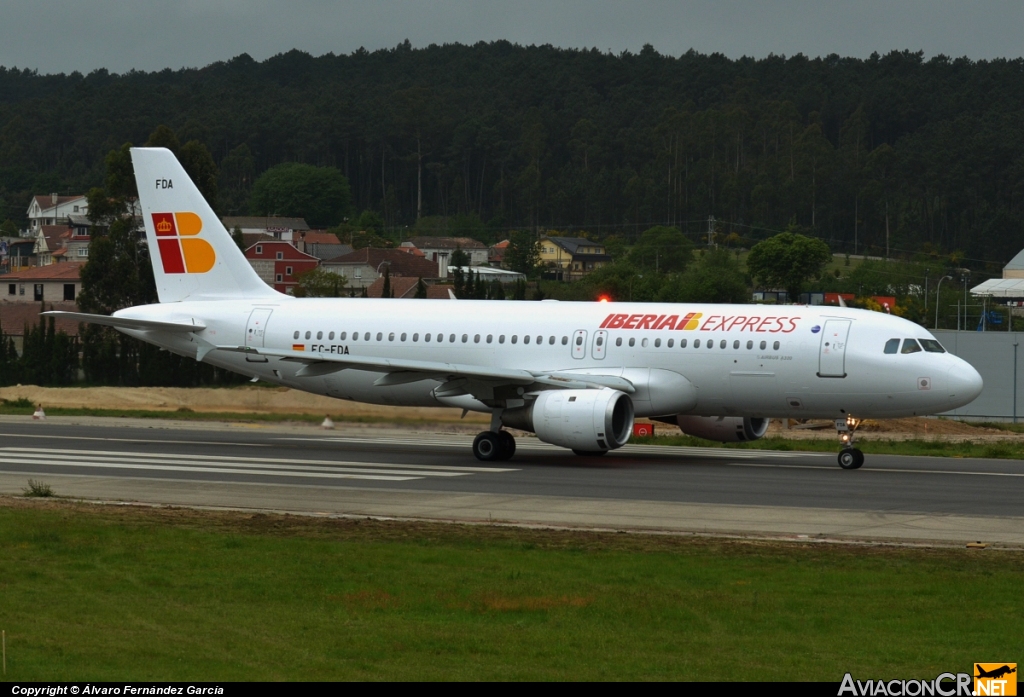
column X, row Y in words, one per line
column 128, row 323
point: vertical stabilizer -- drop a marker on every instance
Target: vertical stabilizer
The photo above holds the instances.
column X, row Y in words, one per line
column 194, row 257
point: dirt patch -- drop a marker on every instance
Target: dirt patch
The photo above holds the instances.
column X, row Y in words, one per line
column 245, row 399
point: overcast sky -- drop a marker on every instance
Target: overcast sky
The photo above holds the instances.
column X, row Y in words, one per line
column 66, row 35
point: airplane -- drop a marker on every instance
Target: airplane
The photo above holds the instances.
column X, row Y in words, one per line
column 576, row 374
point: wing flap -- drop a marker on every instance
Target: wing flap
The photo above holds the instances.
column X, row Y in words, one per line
column 129, row 323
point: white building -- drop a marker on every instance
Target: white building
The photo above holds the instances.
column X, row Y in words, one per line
column 54, row 210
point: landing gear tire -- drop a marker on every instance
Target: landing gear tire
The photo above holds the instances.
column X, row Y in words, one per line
column 850, row 458
column 506, row 445
column 487, row 446
column 590, row 453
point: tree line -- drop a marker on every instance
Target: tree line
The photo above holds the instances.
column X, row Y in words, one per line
column 881, row 155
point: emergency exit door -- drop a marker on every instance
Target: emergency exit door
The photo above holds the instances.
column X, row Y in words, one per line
column 579, row 344
column 256, row 332
column 832, row 354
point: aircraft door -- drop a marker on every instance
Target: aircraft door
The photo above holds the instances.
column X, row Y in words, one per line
column 579, row 344
column 256, row 332
column 600, row 344
column 832, row 354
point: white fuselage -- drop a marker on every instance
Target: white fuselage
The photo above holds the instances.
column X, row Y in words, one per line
column 742, row 360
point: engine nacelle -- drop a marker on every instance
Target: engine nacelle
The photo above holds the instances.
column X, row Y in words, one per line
column 588, row 420
column 724, row 429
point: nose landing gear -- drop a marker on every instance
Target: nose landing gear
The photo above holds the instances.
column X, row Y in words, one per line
column 850, row 458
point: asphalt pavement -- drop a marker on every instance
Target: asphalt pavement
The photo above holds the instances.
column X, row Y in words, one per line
column 357, row 470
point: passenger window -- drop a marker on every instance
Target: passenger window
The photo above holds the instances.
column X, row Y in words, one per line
column 415, row 337
column 750, row 345
column 682, row 343
column 579, row 341
column 309, row 334
column 551, row 341
column 565, row 340
column 932, row 346
column 465, row 338
column 490, row 338
column 501, row 339
column 515, row 338
column 723, row 344
column 600, row 340
column 296, row 335
column 476, row 339
column 451, row 338
column 366, row 336
column 764, row 345
column 426, row 338
column 355, row 336
column 776, row 346
column 391, row 336
column 380, row 336
column 644, row 343
column 526, row 339
column 711, row 343
column 403, row 336
column 657, row 343
column 632, row 341
column 671, row 343
column 319, row 336
column 696, row 343
column 618, row 341
column 330, row 336
column 910, row 346
column 440, row 338
column 342, row 336
column 736, row 344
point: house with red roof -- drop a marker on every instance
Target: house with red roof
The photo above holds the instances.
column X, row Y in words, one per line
column 52, row 283
column 279, row 263
column 364, row 266
column 54, row 209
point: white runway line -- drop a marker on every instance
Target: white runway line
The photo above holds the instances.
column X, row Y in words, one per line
column 524, row 444
column 318, row 469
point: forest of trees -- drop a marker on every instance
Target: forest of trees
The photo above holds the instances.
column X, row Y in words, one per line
column 917, row 155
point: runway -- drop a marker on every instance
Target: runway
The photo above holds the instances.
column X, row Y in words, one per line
column 363, row 471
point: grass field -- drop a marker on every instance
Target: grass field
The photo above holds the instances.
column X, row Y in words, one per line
column 111, row 593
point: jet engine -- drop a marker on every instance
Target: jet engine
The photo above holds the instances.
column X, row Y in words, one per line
column 584, row 420
column 724, row 429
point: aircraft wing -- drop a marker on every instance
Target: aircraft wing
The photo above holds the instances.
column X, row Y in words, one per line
column 402, row 371
column 128, row 323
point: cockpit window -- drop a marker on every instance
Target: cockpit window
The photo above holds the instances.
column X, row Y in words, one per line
column 910, row 346
column 892, row 345
column 932, row 346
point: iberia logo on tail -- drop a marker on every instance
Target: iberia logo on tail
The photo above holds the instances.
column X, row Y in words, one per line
column 181, row 250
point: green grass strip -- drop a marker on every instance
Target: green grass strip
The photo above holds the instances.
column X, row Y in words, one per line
column 97, row 593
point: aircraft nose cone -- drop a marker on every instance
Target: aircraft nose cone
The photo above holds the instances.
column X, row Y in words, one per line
column 965, row 384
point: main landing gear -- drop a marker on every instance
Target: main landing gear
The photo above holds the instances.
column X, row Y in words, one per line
column 490, row 446
column 850, row 458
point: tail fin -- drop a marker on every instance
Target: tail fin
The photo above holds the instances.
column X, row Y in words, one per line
column 194, row 257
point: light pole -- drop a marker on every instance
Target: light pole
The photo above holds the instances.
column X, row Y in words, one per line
column 938, row 287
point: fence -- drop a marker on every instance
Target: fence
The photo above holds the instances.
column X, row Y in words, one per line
column 995, row 355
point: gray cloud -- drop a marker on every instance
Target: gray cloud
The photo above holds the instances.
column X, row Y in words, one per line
column 120, row 35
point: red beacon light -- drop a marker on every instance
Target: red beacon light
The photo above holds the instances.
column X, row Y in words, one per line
column 603, row 299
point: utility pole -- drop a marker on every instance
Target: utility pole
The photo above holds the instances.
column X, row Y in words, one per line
column 938, row 287
column 711, row 228
column 926, row 272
